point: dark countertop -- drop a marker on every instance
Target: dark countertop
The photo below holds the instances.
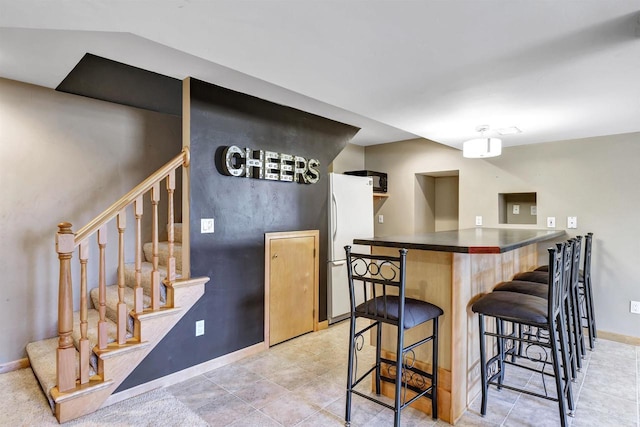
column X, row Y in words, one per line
column 471, row 240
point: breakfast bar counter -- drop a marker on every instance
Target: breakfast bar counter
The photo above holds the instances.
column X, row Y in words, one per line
column 452, row 269
column 470, row 241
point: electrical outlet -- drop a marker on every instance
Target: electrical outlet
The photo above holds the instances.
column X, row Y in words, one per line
column 551, row 222
column 380, row 219
column 516, row 209
column 199, row 328
column 206, row 225
column 478, row 220
column 572, row 222
column 635, row 307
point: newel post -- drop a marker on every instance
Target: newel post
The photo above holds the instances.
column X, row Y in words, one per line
column 65, row 357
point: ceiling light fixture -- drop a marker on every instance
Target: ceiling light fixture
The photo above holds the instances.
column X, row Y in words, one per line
column 482, row 147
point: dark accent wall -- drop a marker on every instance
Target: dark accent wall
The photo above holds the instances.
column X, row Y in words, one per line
column 244, row 209
column 107, row 80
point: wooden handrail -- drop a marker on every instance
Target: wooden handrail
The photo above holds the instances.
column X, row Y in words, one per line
column 181, row 159
column 67, row 241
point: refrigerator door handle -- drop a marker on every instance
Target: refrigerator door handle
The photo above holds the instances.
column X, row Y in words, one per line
column 335, row 216
column 337, row 263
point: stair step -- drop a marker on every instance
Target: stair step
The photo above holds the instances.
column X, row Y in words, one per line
column 145, row 280
column 177, row 232
column 163, row 251
column 111, row 302
column 118, row 361
column 95, row 383
column 93, row 316
column 42, row 358
column 114, row 349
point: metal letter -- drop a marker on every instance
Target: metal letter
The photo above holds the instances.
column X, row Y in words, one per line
column 300, row 169
column 313, row 172
column 233, row 165
column 270, row 166
column 286, row 167
column 255, row 166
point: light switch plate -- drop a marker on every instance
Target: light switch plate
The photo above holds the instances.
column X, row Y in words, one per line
column 551, row 222
column 516, row 209
column 380, row 219
column 206, row 225
column 199, row 328
column 572, row 222
column 478, row 220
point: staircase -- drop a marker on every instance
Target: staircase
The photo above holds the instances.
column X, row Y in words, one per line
column 98, row 348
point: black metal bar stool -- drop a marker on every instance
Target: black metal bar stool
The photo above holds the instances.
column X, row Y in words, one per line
column 381, row 279
column 544, row 315
column 586, row 294
column 571, row 307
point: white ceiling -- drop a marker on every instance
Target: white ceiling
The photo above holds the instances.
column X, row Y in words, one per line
column 560, row 69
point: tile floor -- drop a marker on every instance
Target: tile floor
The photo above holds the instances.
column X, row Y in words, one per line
column 301, row 383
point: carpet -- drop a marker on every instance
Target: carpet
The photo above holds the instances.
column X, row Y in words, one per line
column 24, row 404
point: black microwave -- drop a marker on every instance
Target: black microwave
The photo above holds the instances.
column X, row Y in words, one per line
column 379, row 179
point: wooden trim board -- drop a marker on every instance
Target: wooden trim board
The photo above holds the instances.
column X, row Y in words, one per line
column 612, row 336
column 14, row 366
column 186, row 178
column 323, row 325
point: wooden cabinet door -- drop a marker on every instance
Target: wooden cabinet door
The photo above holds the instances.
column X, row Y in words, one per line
column 292, row 284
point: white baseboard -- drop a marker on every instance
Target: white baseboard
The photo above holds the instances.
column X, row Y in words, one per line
column 185, row 374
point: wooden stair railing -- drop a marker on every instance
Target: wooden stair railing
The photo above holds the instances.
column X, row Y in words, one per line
column 67, row 242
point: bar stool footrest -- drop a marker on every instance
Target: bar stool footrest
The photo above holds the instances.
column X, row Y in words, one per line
column 373, row 399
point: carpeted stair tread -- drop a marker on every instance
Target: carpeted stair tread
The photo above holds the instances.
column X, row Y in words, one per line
column 42, row 358
column 112, row 300
column 145, row 269
column 163, row 251
column 93, row 316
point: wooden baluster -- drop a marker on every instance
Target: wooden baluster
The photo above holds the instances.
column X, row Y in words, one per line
column 171, row 260
column 85, row 350
column 122, row 306
column 138, row 291
column 102, row 289
column 65, row 355
column 155, row 274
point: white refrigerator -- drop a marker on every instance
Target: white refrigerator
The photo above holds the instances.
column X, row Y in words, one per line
column 350, row 217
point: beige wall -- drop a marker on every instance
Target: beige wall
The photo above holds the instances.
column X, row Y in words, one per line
column 525, row 204
column 446, row 195
column 424, row 208
column 349, row 159
column 435, row 203
column 594, row 179
column 63, row 158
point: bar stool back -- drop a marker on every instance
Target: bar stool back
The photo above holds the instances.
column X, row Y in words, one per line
column 570, row 304
column 546, row 315
column 587, row 312
column 381, row 279
column 578, row 332
column 587, row 294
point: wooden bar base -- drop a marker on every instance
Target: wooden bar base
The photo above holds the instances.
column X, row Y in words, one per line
column 423, row 404
column 453, row 281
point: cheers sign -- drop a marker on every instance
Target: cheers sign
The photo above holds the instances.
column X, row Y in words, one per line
column 261, row 164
